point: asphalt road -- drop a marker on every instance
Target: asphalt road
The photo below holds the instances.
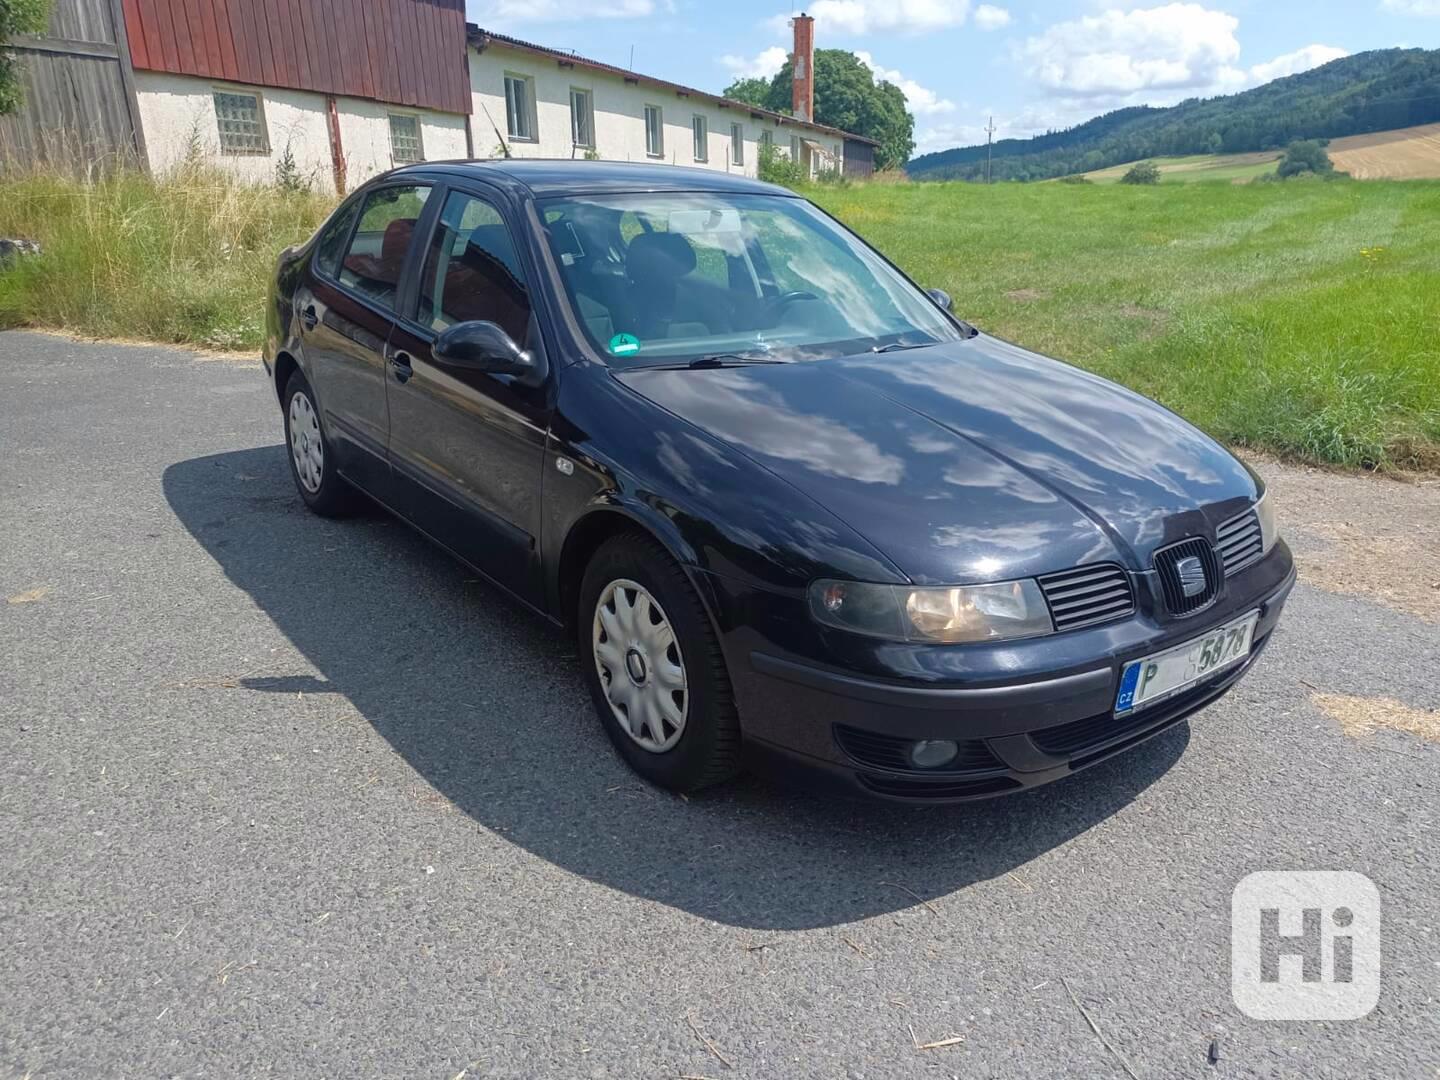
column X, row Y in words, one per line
column 288, row 797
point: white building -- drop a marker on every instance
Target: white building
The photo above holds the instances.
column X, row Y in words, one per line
column 539, row 102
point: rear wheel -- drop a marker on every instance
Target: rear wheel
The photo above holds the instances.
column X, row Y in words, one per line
column 311, row 464
column 654, row 667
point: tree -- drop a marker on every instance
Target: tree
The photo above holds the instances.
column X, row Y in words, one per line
column 846, row 97
column 751, row 91
column 1305, row 157
column 17, row 17
column 1142, row 172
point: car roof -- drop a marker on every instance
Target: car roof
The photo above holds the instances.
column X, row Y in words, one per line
column 545, row 177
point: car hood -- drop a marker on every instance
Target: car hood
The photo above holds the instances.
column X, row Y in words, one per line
column 972, row 461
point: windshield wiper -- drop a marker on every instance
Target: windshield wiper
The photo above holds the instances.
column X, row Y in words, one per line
column 713, row 360
column 727, row 359
column 901, row 346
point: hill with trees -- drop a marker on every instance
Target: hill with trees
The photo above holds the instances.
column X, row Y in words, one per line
column 846, row 97
column 1372, row 91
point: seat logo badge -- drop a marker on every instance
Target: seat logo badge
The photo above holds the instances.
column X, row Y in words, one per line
column 567, row 467
column 1192, row 576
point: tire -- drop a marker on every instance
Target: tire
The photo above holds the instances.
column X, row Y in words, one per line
column 308, row 451
column 704, row 749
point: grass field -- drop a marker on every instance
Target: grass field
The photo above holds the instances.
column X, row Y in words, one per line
column 187, row 260
column 1227, row 167
column 1303, row 317
column 1299, row 317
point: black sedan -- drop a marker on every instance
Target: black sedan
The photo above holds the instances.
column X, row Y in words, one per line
column 788, row 504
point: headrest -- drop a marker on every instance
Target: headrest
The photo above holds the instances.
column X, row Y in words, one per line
column 659, row 258
column 397, row 239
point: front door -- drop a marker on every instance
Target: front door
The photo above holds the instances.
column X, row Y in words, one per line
column 468, row 446
column 347, row 311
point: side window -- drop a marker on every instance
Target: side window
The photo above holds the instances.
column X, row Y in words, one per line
column 471, row 271
column 333, row 236
column 376, row 256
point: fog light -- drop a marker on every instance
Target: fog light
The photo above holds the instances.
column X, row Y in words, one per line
column 933, row 753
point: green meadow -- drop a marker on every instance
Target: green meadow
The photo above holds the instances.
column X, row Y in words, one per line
column 1302, row 318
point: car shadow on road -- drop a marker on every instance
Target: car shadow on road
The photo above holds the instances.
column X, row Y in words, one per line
column 485, row 702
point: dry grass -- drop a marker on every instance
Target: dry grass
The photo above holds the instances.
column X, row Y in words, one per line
column 1407, row 154
column 1361, row 717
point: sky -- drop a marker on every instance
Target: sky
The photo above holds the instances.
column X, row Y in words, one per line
column 1035, row 65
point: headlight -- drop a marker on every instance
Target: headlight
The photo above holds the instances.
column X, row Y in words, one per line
column 1269, row 527
column 1009, row 609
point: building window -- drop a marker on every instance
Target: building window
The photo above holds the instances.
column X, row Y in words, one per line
column 654, row 131
column 582, row 119
column 737, row 144
column 700, row 130
column 767, row 138
column 520, row 107
column 405, row 145
column 242, row 123
column 794, row 147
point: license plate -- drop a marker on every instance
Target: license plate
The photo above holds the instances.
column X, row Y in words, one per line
column 1149, row 681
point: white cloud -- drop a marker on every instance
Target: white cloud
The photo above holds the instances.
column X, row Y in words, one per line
column 1312, row 56
column 921, row 100
column 1412, row 7
column 904, row 16
column 762, row 65
column 990, row 17
column 513, row 11
column 1031, row 121
column 1116, row 53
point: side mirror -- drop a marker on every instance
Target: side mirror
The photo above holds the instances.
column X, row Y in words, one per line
column 942, row 298
column 483, row 346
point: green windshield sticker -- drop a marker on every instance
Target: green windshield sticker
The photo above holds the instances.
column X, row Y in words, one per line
column 624, row 344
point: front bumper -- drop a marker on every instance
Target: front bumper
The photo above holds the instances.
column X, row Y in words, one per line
column 1013, row 734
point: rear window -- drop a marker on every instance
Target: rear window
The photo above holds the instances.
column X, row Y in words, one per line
column 377, row 252
column 333, row 235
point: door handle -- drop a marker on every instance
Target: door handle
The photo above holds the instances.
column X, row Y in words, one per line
column 401, row 365
column 310, row 317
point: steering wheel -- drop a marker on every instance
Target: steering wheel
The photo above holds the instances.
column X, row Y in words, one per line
column 777, row 304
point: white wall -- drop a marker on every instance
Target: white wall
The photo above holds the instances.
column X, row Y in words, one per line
column 619, row 115
column 176, row 110
column 365, row 136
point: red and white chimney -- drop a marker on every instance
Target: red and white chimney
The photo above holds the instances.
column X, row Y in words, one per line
column 802, row 100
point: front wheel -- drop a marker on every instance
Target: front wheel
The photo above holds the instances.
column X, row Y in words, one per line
column 654, row 667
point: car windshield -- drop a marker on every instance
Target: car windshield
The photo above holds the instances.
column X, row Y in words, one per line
column 674, row 277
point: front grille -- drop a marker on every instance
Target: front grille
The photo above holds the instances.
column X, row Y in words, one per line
column 892, row 752
column 1171, row 562
column 1239, row 542
column 1089, row 595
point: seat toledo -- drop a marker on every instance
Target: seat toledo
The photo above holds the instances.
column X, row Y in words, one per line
column 789, row 505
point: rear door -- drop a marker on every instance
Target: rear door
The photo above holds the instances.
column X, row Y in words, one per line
column 468, row 446
column 347, row 312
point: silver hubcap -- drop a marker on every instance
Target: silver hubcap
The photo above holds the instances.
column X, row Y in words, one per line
column 640, row 666
column 305, row 444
